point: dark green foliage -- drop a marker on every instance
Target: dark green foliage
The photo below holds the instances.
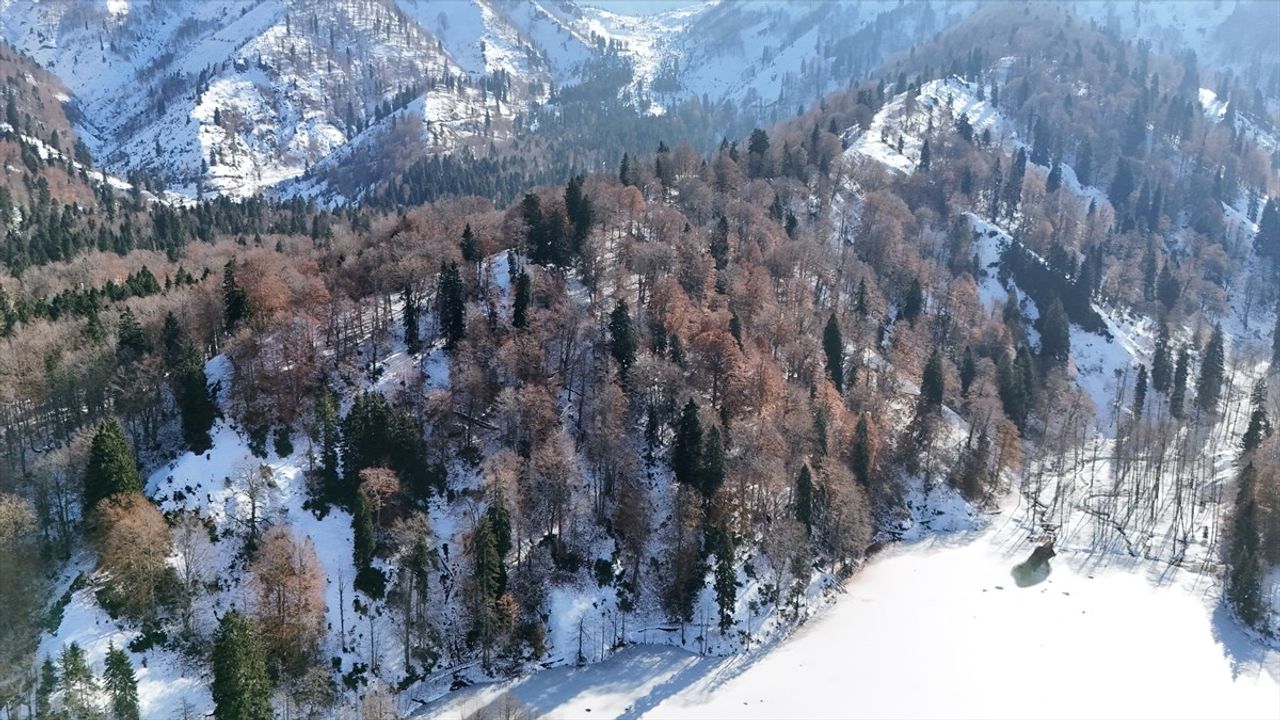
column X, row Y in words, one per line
column 1212, row 367
column 1178, row 393
column 1055, row 333
column 1245, row 563
column 520, row 304
column 1267, row 241
column 913, row 303
column 451, row 304
column 686, row 453
column 1168, row 289
column 1122, row 186
column 1275, row 344
column 932, row 382
column 131, row 342
column 48, row 685
column 803, row 502
column 923, row 165
column 235, row 304
column 968, row 371
column 121, row 684
column 1162, row 360
column 1140, row 393
column 1056, row 279
column 412, row 335
column 500, row 523
column 622, row 338
column 1054, row 180
column 726, row 582
column 76, row 681
column 860, row 455
column 329, row 439
column 377, row 435
column 711, row 469
column 112, row 468
column 580, row 211
column 190, row 386
column 1015, row 382
column 241, row 688
column 363, row 543
column 470, row 249
column 1259, row 425
column 282, row 442
column 833, row 346
column 720, row 243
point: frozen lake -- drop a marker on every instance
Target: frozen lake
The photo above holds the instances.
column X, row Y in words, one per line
column 938, row 628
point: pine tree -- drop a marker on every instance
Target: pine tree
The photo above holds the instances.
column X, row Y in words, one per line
column 470, row 249
column 860, row 456
column 1084, row 163
column 726, row 584
column 913, row 303
column 190, row 386
column 686, row 453
column 450, row 304
column 1140, row 393
column 121, row 684
column 1244, row 576
column 1178, row 395
column 520, row 304
column 1162, row 360
column 1212, row 367
column 48, row 685
column 931, row 384
column 624, row 169
column 241, row 688
column 362, row 533
column 1055, row 333
column 112, row 468
column 500, row 523
column 968, row 371
column 131, row 342
column 1168, row 289
column 76, row 681
column 924, row 157
column 1054, row 181
column 803, row 502
column 235, row 303
column 1275, row 344
column 1267, row 241
column 412, row 338
column 711, row 470
column 622, row 339
column 833, row 346
column 1259, row 426
column 330, row 441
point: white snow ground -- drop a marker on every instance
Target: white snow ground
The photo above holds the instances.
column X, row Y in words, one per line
column 939, row 628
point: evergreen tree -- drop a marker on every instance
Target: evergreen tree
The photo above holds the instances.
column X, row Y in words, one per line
column 1121, row 188
column 720, row 243
column 1178, row 395
column 686, row 453
column 1245, row 562
column 1013, row 187
column 968, row 371
column 330, row 441
column 235, row 303
column 450, row 304
column 1140, row 393
column 1267, row 241
column 520, row 304
column 1275, row 344
column 860, row 456
column 1162, row 360
column 190, row 386
column 931, row 384
column 1054, row 181
column 412, row 338
column 1055, row 333
column 1168, row 289
column 362, row 533
column 833, row 346
column 1212, row 368
column 860, row 305
column 726, row 584
column 131, row 342
column 112, row 468
column 711, row 471
column 241, row 688
column 622, row 339
column 1084, row 163
column 624, row 170
column 48, row 685
column 913, row 303
column 1259, row 427
column 77, row 683
column 500, row 523
column 581, row 212
column 121, row 684
column 803, row 502
column 470, row 248
column 923, row 166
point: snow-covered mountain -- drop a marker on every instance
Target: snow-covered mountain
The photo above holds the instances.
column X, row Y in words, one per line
column 240, row 96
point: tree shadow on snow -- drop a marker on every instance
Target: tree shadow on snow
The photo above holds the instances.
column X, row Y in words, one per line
column 1248, row 654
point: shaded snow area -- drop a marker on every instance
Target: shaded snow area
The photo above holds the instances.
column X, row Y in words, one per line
column 941, row 628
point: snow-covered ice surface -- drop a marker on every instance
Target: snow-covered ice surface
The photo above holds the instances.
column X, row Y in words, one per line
column 940, row 628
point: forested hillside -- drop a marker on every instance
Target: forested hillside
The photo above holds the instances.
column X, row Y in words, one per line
column 260, row 456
